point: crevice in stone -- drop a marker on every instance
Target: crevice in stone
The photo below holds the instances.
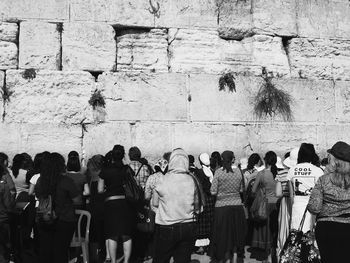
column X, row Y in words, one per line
column 121, row 30
column 285, row 45
column 235, row 34
column 84, row 130
column 95, row 74
column 59, row 27
column 4, row 100
column 170, row 41
column 17, row 42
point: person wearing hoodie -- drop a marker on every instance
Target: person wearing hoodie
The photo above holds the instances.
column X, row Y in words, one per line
column 178, row 199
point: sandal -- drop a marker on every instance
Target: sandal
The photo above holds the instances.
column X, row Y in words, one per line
column 107, row 260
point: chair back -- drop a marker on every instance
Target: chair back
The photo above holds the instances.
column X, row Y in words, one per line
column 79, row 231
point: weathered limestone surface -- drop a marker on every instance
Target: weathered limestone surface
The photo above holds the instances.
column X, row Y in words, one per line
column 324, row 19
column 210, row 104
column 2, row 83
column 100, row 139
column 142, row 50
column 235, row 19
column 54, row 10
column 118, row 12
column 139, row 96
column 88, row 46
column 8, row 31
column 37, row 138
column 198, row 51
column 328, row 135
column 342, row 101
column 51, row 97
column 320, row 58
column 311, row 99
column 39, row 45
column 8, row 55
column 186, row 14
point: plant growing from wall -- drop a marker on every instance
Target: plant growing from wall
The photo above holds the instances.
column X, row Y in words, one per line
column 29, row 73
column 227, row 80
column 98, row 104
column 270, row 100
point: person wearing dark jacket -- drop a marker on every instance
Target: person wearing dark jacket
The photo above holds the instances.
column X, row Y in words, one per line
column 7, row 201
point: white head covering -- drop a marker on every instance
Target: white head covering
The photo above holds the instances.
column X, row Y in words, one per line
column 244, row 163
column 279, row 163
column 205, row 160
column 292, row 160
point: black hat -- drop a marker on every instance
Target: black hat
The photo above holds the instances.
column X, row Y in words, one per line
column 341, row 151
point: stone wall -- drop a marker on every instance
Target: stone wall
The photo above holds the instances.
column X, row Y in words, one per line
column 158, row 63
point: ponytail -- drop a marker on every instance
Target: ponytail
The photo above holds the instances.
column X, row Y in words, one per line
column 274, row 170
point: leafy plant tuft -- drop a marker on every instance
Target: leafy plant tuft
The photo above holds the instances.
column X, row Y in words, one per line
column 97, row 99
column 29, row 73
column 270, row 100
column 227, row 80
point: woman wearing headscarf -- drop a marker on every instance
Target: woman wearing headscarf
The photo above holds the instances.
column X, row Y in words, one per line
column 265, row 232
column 229, row 227
column 178, row 200
column 330, row 201
column 205, row 219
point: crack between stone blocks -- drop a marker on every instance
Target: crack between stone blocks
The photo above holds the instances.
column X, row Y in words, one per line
column 17, row 43
column 83, row 131
column 189, row 98
column 168, row 47
column 59, row 63
column 3, row 98
column 285, row 45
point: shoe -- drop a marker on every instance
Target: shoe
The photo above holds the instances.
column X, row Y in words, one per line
column 107, row 260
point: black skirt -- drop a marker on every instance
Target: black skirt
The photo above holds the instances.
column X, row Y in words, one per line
column 229, row 231
column 205, row 219
column 119, row 219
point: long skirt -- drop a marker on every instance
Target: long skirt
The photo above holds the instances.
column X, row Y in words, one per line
column 229, row 231
column 265, row 233
column 298, row 209
column 205, row 219
column 283, row 222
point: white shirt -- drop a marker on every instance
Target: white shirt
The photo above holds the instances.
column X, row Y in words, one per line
column 34, row 179
column 20, row 181
column 304, row 176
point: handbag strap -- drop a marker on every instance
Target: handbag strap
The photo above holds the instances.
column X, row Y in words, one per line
column 302, row 220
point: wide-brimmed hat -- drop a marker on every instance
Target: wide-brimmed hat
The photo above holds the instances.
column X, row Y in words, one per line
column 292, row 160
column 279, row 163
column 341, row 151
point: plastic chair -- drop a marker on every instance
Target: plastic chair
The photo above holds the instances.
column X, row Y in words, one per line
column 79, row 240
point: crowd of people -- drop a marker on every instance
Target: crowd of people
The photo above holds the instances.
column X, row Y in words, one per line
column 197, row 209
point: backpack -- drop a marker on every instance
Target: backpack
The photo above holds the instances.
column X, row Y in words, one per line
column 133, row 192
column 45, row 212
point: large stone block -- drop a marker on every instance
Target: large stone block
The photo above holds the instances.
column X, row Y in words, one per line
column 8, row 31
column 210, row 104
column 88, row 46
column 185, row 14
column 10, row 139
column 232, row 137
column 194, row 138
column 312, row 100
column 342, row 100
column 281, row 138
column 139, row 96
column 50, row 97
column 142, row 50
column 275, row 17
column 153, row 138
column 323, row 19
column 8, row 55
column 203, row 51
column 53, row 10
column 100, row 138
column 39, row 46
column 36, row 138
column 320, row 58
column 235, row 19
column 328, row 135
column 118, row 12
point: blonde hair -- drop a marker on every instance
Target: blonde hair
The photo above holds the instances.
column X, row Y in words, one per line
column 340, row 172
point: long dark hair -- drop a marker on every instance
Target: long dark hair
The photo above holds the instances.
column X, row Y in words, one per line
column 52, row 169
column 227, row 158
column 215, row 160
column 253, row 159
column 17, row 163
column 4, row 160
column 73, row 163
column 307, row 154
column 271, row 159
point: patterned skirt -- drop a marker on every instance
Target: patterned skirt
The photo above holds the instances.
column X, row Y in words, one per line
column 206, row 218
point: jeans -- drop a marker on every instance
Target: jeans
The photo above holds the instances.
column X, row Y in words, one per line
column 175, row 241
